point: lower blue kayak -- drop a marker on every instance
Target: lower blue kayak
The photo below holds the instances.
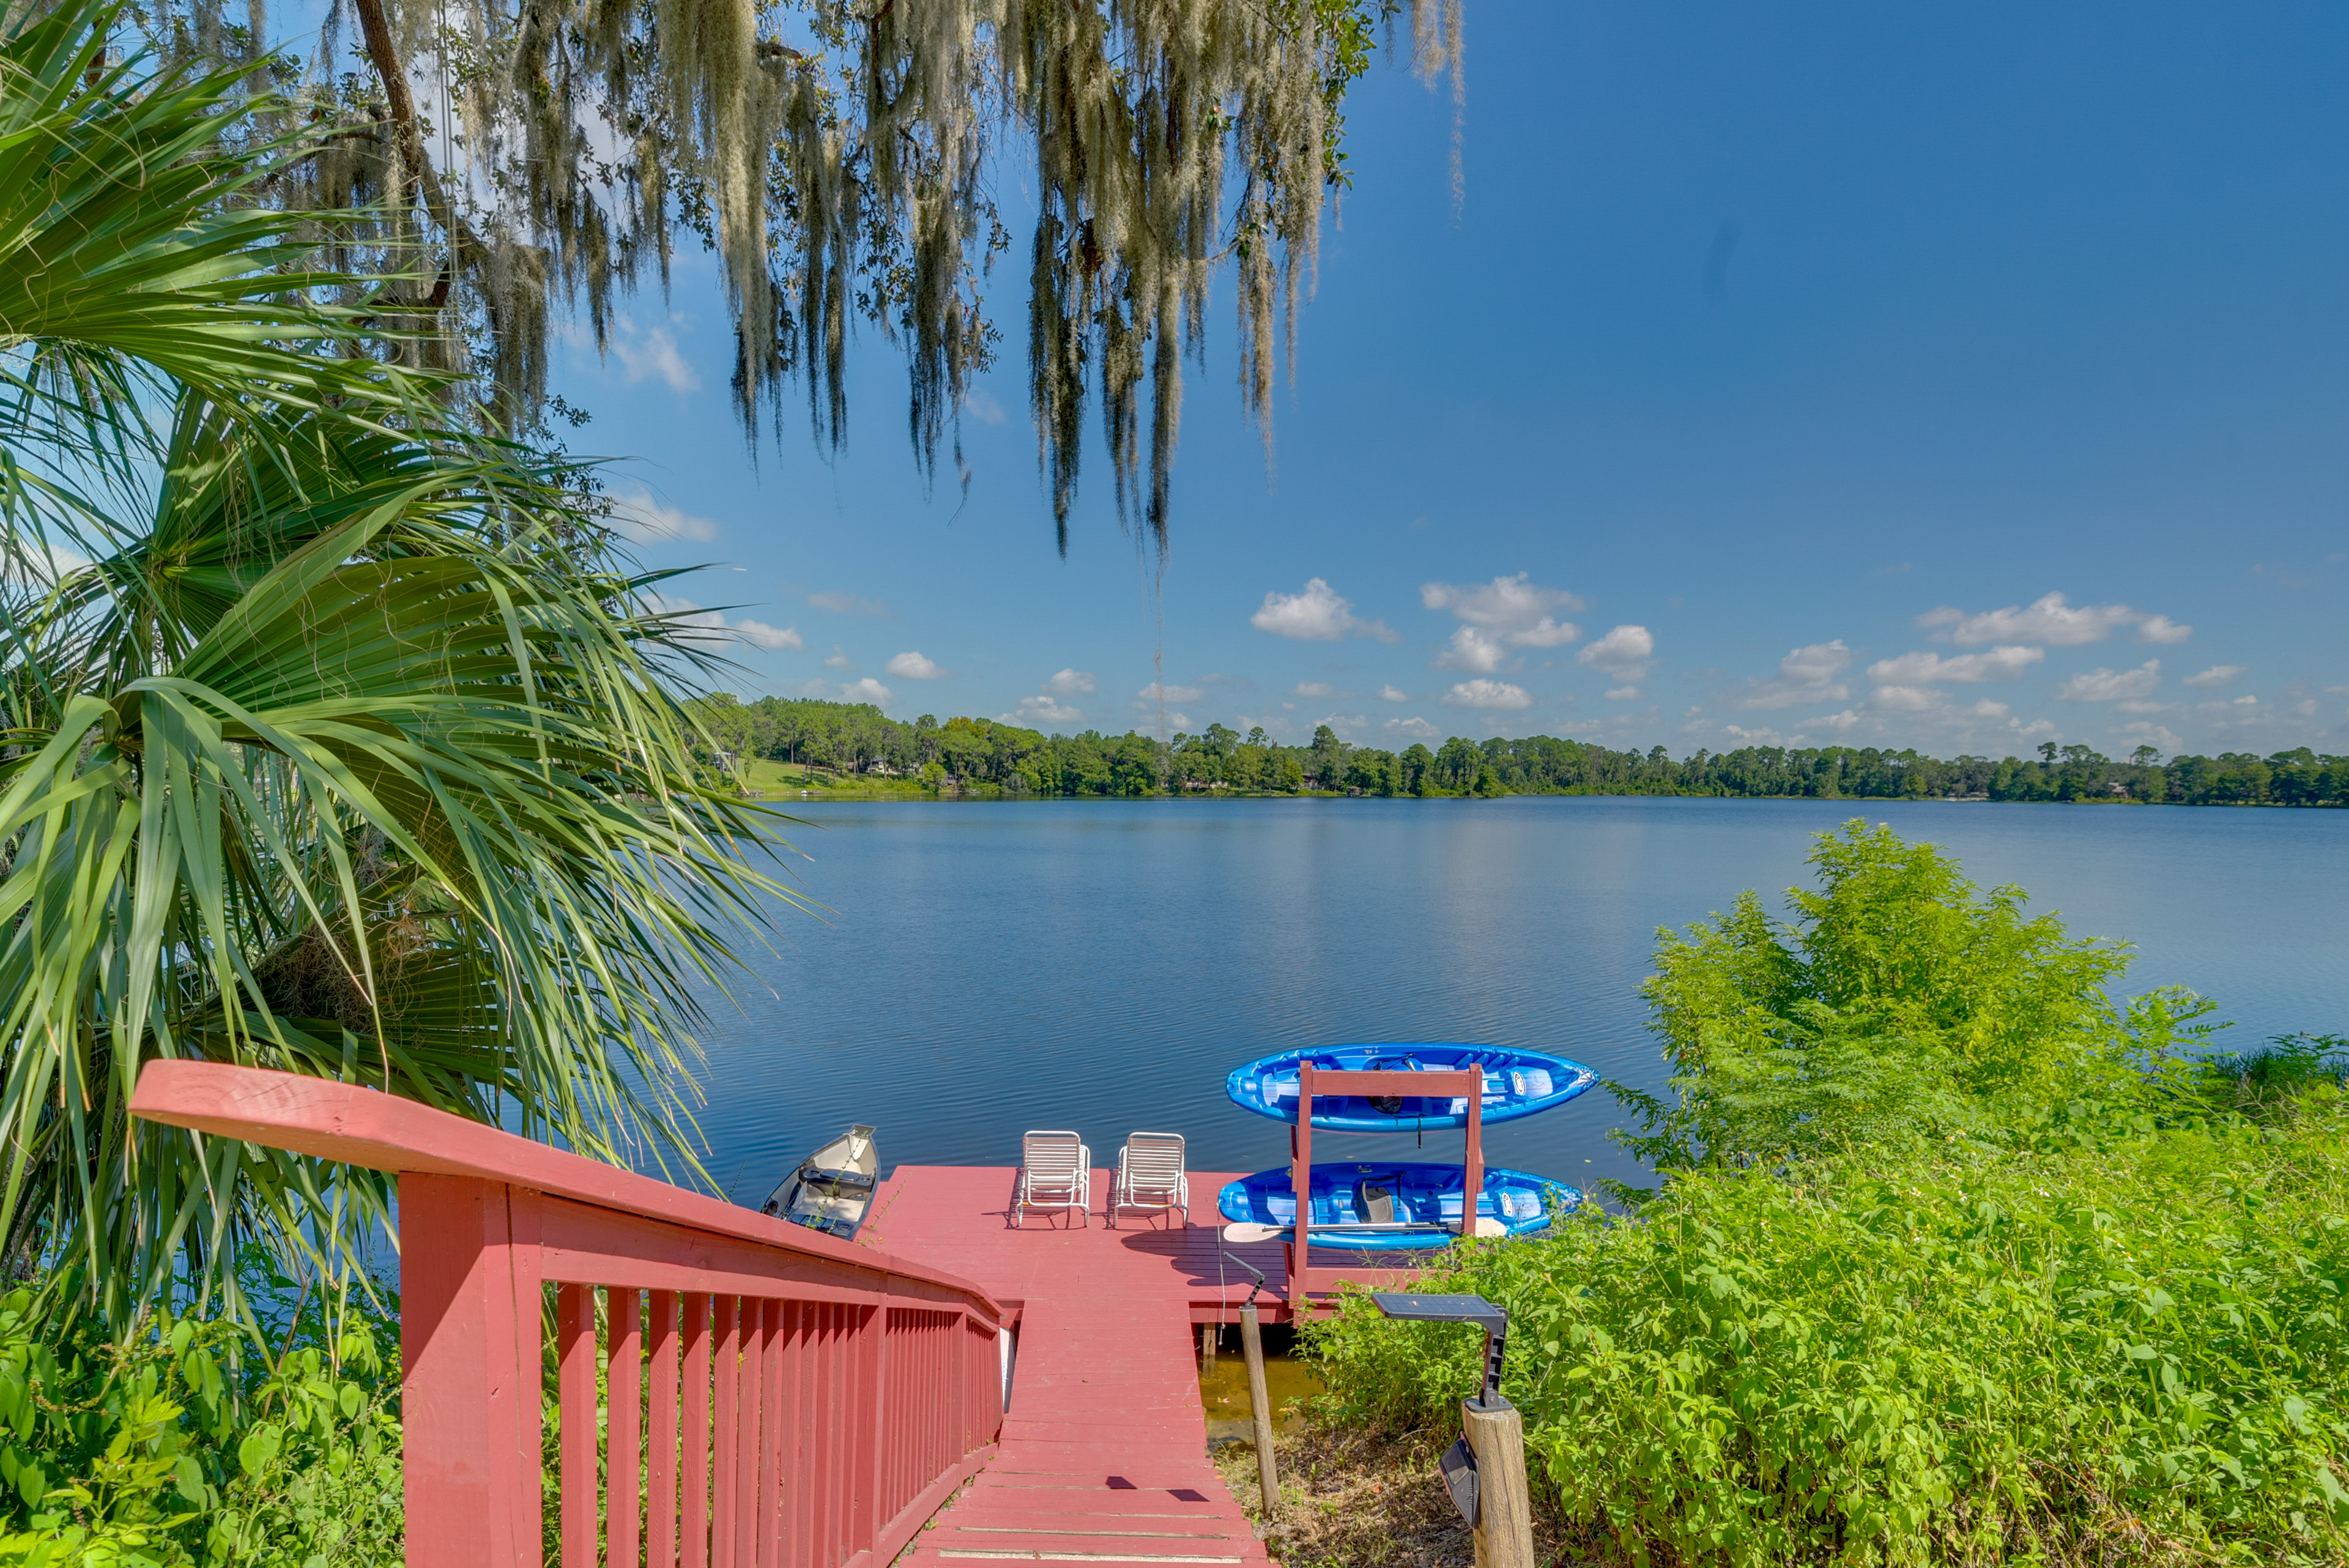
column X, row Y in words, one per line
column 1389, row 1206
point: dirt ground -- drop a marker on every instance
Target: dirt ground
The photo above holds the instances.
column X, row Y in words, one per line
column 1353, row 1499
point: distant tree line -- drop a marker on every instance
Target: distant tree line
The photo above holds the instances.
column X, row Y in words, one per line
column 858, row 738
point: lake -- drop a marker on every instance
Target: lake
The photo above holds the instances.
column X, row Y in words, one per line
column 985, row 968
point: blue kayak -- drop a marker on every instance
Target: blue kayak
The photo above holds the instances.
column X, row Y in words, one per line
column 1384, row 1198
column 1516, row 1084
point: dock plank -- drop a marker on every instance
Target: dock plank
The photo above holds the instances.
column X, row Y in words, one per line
column 1104, row 1457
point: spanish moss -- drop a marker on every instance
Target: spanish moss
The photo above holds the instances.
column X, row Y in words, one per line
column 520, row 162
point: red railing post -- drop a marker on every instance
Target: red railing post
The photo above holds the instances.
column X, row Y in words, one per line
column 661, row 1437
column 468, row 1342
column 693, row 1535
column 623, row 1376
column 575, row 1364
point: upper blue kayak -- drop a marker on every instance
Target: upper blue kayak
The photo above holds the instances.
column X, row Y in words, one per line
column 1387, row 1206
column 1516, row 1084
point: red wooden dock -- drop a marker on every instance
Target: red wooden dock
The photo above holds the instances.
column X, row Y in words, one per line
column 1104, row 1457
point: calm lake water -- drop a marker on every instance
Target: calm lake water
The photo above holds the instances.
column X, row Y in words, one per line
column 985, row 968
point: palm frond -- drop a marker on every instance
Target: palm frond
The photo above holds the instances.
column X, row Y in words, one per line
column 359, row 763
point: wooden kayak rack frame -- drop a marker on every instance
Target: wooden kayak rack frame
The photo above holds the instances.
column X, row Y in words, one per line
column 1450, row 1083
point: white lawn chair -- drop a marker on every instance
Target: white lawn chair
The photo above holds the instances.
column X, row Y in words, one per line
column 1150, row 1175
column 1056, row 1171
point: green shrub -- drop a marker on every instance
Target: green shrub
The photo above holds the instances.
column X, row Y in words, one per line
column 185, row 1444
column 2133, row 1345
column 1956, row 1263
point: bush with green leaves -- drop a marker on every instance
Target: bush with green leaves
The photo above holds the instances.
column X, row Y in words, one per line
column 1958, row 1262
column 189, row 1444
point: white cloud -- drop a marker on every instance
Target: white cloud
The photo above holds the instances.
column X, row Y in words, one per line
column 2217, row 675
column 1510, row 603
column 1314, row 688
column 1543, row 633
column 758, row 634
column 1623, row 694
column 1316, row 615
column 840, row 603
column 1623, row 653
column 1179, row 721
column 1761, row 737
column 914, row 664
column 2053, row 620
column 1808, row 674
column 710, row 626
column 644, row 519
column 1043, row 711
column 1906, row 699
column 981, row 405
column 1488, row 694
column 1472, row 649
column 1507, row 612
column 866, row 690
column 1923, row 669
column 650, row 353
column 1986, row 709
column 1070, row 683
column 2149, row 734
column 1843, row 720
column 1345, row 721
column 39, row 562
column 1156, row 692
column 2048, row 619
column 2111, row 685
column 1394, row 694
column 839, row 658
column 2136, row 705
column 1416, row 727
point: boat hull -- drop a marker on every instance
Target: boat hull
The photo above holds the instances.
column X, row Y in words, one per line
column 1344, row 1193
column 832, row 1189
column 1516, row 1084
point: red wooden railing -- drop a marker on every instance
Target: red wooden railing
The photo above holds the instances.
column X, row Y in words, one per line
column 770, row 1397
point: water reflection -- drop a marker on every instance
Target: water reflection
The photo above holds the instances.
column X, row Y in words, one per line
column 1224, row 1386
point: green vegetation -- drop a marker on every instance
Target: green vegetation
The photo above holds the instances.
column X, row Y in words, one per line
column 980, row 754
column 340, row 741
column 181, row 1445
column 1956, row 1261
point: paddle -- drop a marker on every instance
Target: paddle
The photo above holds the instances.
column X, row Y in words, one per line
column 1245, row 1230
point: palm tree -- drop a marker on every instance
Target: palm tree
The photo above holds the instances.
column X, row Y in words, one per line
column 334, row 742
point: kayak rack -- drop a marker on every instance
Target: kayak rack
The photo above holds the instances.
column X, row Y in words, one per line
column 1429, row 1083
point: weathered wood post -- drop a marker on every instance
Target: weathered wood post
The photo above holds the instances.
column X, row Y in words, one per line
column 1210, row 1334
column 1485, row 1471
column 1505, row 1525
column 1268, row 1479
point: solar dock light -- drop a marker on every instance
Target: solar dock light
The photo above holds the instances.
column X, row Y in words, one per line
column 1486, row 1471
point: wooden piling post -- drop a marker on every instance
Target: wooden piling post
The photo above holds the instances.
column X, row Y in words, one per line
column 1260, row 1406
column 1505, row 1525
column 1209, row 1332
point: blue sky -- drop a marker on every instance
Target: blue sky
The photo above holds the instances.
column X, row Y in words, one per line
column 1962, row 378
